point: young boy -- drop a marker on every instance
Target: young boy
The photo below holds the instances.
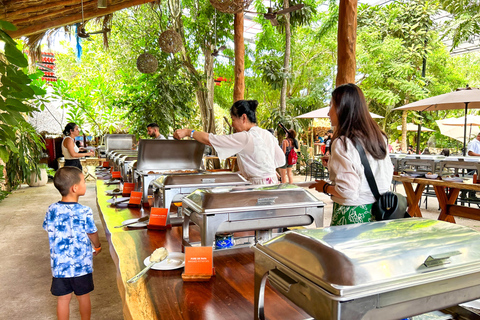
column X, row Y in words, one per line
column 71, row 232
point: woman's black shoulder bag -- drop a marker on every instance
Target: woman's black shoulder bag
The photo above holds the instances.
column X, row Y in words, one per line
column 389, row 205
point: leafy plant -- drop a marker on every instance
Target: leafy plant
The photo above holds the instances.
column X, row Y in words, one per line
column 20, row 145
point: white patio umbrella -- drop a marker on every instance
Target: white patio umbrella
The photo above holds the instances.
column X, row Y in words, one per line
column 456, row 132
column 323, row 113
column 460, row 99
column 414, row 127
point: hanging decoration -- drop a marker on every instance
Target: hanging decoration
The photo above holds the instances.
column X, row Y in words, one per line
column 147, row 63
column 170, row 41
column 230, row 6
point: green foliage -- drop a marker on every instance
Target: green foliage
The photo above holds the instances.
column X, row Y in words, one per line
column 465, row 22
column 30, row 147
column 20, row 145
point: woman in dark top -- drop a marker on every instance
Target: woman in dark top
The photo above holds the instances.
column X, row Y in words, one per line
column 288, row 144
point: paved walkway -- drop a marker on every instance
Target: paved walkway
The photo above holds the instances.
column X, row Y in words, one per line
column 25, row 274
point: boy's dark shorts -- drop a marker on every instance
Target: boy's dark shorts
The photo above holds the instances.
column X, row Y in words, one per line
column 79, row 285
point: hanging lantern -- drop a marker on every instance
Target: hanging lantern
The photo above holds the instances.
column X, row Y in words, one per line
column 170, row 41
column 230, row 6
column 147, row 63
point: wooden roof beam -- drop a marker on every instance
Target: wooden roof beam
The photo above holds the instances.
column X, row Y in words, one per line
column 69, row 20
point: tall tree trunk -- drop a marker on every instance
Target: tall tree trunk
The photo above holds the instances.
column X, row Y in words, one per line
column 404, row 131
column 239, row 87
column 347, row 37
column 204, row 89
column 286, row 60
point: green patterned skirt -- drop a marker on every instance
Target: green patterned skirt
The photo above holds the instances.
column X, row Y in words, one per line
column 351, row 214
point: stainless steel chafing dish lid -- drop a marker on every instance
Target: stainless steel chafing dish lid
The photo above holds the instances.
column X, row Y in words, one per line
column 169, row 155
column 236, row 199
column 207, row 179
column 119, row 141
column 378, row 256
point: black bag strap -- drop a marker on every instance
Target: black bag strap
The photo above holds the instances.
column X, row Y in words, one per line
column 368, row 170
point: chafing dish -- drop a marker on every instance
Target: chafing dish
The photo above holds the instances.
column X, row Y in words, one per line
column 170, row 187
column 260, row 209
column 458, row 162
column 160, row 157
column 119, row 142
column 380, row 270
column 124, row 166
column 117, row 158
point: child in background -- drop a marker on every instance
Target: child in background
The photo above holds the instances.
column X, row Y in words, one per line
column 71, row 233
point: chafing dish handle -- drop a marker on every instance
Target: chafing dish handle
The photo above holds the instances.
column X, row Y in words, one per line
column 208, row 180
column 440, row 259
column 266, row 201
column 280, row 280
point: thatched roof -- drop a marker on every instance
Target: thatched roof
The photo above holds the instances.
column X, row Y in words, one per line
column 37, row 16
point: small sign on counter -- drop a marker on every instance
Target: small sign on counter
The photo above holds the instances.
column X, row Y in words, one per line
column 128, row 187
column 135, row 198
column 116, row 175
column 198, row 264
column 158, row 219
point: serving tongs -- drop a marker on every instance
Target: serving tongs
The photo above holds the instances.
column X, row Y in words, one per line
column 133, row 222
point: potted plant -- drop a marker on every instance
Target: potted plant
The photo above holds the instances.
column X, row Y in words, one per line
column 40, row 178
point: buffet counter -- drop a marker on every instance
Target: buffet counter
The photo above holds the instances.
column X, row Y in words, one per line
column 163, row 294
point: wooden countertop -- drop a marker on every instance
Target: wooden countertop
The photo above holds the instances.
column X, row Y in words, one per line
column 164, row 295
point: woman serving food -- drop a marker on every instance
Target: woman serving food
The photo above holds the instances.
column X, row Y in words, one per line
column 257, row 149
column 69, row 148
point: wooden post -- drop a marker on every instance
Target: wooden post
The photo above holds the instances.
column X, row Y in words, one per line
column 239, row 87
column 347, row 37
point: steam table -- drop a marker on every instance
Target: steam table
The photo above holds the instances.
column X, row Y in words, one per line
column 163, row 294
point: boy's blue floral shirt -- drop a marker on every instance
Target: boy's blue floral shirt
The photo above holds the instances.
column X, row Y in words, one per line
column 68, row 224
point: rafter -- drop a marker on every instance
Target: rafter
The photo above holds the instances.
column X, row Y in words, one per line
column 65, row 16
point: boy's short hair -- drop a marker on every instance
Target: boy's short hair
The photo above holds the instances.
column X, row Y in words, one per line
column 65, row 178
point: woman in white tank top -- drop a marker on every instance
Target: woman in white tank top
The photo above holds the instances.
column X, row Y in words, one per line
column 69, row 149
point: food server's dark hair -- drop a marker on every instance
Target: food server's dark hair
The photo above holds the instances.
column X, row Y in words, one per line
column 248, row 107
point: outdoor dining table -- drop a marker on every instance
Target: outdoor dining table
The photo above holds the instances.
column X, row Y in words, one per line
column 446, row 193
column 162, row 294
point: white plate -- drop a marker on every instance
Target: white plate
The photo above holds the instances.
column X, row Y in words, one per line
column 112, row 182
column 112, row 193
column 453, row 179
column 118, row 200
column 135, row 225
column 431, row 176
column 413, row 175
column 175, row 260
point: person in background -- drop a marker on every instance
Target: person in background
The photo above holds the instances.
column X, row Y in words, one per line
column 426, row 151
column 319, row 139
column 257, row 150
column 395, row 146
column 271, row 131
column 153, row 131
column 71, row 233
column 349, row 190
column 445, row 152
column 69, row 148
column 328, row 142
column 288, row 144
column 80, row 148
column 473, row 147
column 410, row 150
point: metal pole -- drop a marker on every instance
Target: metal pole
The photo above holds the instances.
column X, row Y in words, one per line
column 465, row 131
column 418, row 135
